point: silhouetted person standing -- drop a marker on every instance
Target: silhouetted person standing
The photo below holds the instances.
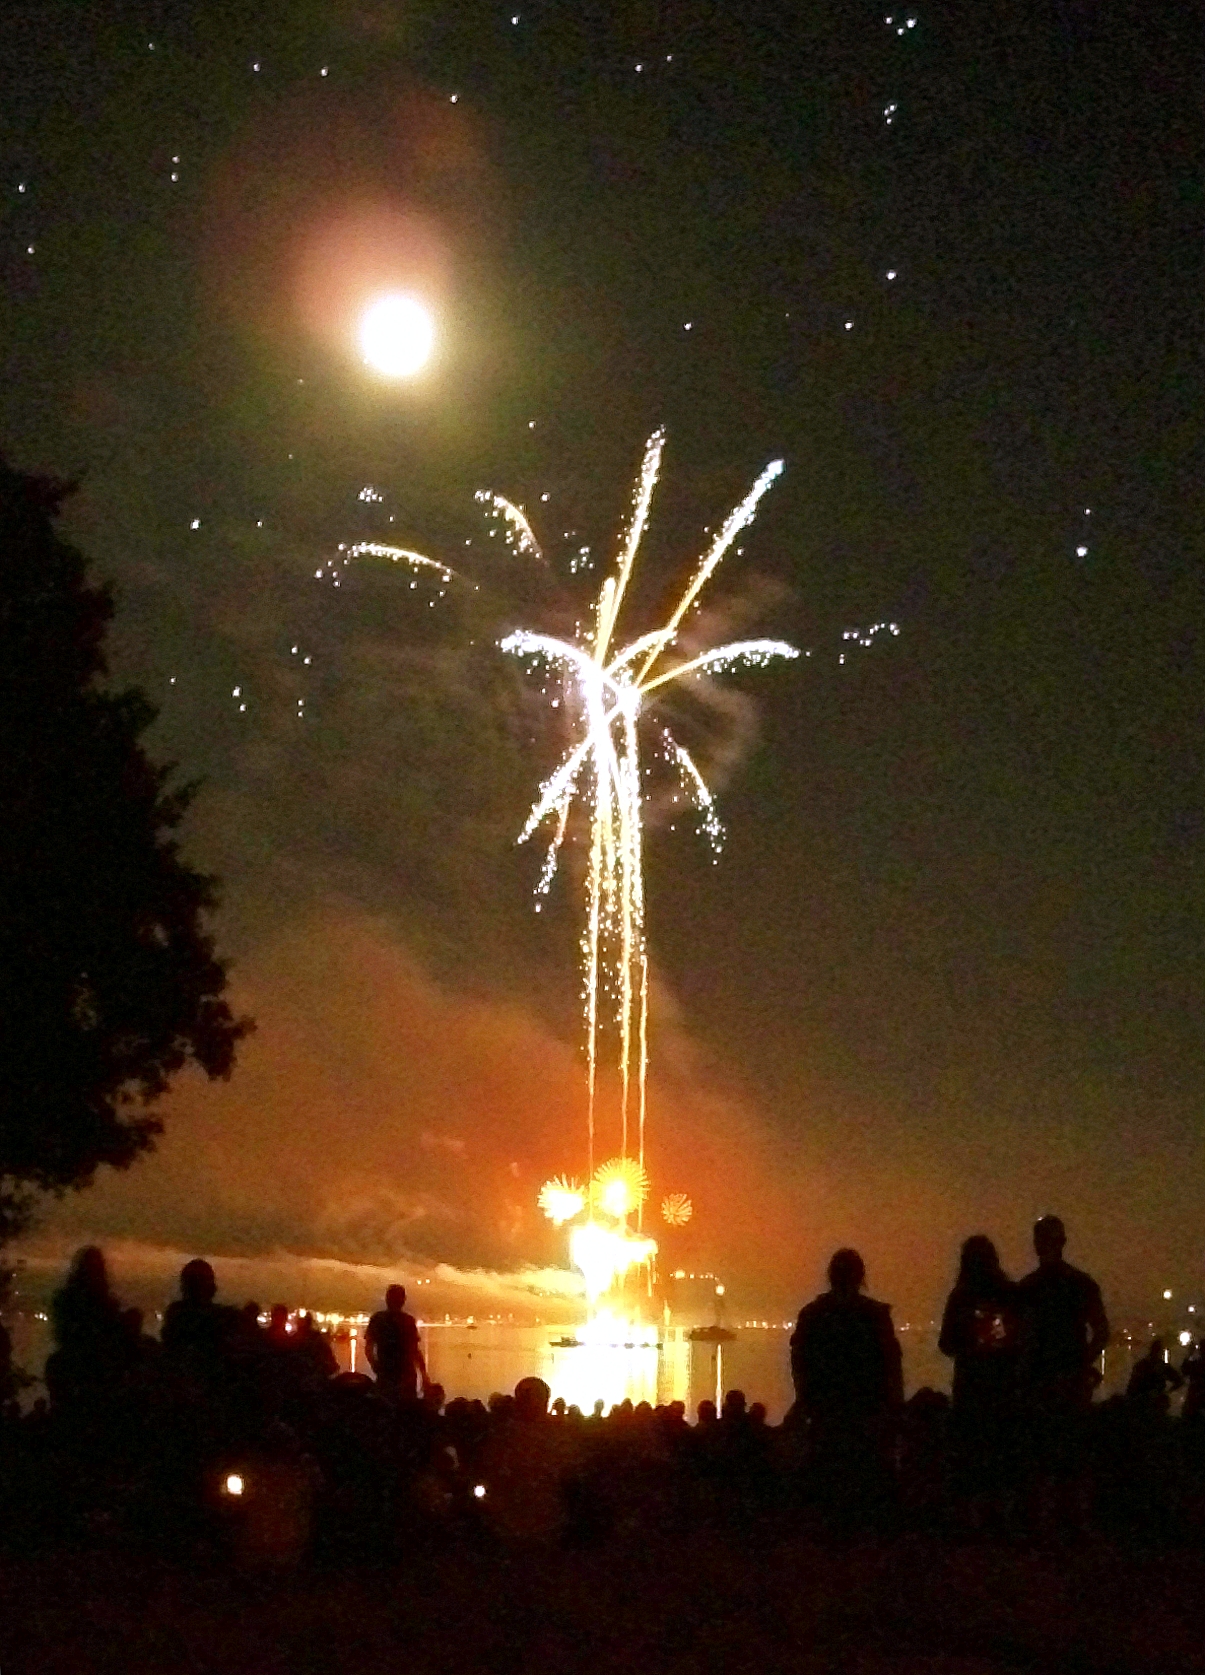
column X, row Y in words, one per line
column 199, row 1338
column 845, row 1357
column 394, row 1352
column 195, row 1324
column 1064, row 1329
column 981, row 1327
column 849, row 1387
column 85, row 1371
column 981, row 1333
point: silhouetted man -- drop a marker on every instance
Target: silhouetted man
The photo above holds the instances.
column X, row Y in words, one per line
column 1063, row 1331
column 1064, row 1327
column 845, row 1357
column 849, row 1386
column 195, row 1327
column 394, row 1352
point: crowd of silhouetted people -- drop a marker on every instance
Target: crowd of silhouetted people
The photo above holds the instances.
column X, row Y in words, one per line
column 232, row 1432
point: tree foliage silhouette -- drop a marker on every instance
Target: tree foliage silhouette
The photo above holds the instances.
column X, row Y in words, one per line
column 109, row 982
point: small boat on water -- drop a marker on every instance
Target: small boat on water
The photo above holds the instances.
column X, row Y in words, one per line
column 576, row 1343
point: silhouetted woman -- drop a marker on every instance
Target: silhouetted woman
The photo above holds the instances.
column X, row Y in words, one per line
column 85, row 1371
column 85, row 1313
column 980, row 1332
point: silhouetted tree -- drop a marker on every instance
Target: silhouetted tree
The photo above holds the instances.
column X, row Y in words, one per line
column 109, row 983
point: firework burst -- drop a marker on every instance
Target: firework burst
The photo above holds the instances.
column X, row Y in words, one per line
column 676, row 1209
column 612, row 683
column 620, row 1187
column 561, row 1199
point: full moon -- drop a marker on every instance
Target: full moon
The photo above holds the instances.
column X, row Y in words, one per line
column 397, row 335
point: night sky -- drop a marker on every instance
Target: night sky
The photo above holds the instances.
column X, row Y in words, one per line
column 942, row 259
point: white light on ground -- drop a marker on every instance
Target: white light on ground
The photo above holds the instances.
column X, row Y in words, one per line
column 397, row 335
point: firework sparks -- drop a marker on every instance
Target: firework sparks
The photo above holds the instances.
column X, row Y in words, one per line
column 561, row 1200
column 612, row 686
column 519, row 533
column 400, row 555
column 620, row 1187
column 676, row 1209
column 603, row 1255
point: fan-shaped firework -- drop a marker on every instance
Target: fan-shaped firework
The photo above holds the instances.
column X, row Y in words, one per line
column 676, row 1209
column 620, row 1186
column 611, row 686
column 561, row 1199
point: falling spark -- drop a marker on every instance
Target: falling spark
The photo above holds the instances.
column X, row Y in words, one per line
column 399, row 555
column 519, row 531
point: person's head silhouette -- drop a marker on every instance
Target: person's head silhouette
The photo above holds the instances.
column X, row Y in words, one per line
column 979, row 1262
column 89, row 1272
column 846, row 1273
column 198, row 1282
column 1049, row 1237
column 395, row 1299
column 531, row 1399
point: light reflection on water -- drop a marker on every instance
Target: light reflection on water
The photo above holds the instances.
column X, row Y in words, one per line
column 479, row 1361
column 491, row 1358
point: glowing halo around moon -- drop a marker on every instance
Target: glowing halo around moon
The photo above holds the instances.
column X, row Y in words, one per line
column 396, row 335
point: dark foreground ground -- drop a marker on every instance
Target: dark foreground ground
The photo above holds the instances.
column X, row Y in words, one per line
column 687, row 1606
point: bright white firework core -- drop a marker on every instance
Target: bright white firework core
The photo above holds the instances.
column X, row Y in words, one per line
column 397, row 335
